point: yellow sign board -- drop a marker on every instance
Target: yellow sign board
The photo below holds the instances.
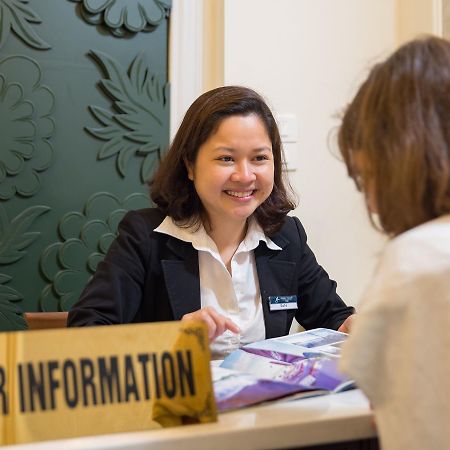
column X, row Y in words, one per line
column 74, row 382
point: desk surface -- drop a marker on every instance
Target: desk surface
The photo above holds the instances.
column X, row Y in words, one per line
column 310, row 421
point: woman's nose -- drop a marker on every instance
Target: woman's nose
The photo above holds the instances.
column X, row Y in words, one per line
column 243, row 173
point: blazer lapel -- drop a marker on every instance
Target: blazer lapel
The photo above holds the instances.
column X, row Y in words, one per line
column 276, row 277
column 182, row 278
column 181, row 274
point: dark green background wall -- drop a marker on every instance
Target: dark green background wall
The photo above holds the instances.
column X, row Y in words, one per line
column 84, row 117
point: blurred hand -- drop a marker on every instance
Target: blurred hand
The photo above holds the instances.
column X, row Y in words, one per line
column 216, row 323
column 347, row 325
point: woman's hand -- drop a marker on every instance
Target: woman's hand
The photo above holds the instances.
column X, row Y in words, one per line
column 347, row 325
column 216, row 323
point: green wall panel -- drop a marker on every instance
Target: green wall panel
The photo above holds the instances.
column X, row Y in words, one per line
column 84, row 118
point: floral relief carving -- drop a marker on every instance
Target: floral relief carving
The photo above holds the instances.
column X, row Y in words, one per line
column 14, row 239
column 123, row 17
column 136, row 126
column 17, row 16
column 26, row 127
column 11, row 317
column 14, row 234
column 84, row 240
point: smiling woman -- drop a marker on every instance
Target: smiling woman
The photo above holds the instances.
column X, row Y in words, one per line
column 219, row 245
column 233, row 172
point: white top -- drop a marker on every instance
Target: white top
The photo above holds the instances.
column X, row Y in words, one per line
column 399, row 347
column 238, row 296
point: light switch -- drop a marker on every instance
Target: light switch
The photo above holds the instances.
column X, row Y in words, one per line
column 290, row 156
column 288, row 126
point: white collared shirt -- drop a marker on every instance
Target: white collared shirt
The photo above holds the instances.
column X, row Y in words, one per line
column 237, row 297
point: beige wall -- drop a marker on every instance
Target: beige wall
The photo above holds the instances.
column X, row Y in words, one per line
column 418, row 17
column 213, row 44
column 446, row 18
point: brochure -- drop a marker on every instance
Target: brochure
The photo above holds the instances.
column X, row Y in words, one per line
column 304, row 364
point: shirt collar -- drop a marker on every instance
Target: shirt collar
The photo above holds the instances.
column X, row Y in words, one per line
column 200, row 240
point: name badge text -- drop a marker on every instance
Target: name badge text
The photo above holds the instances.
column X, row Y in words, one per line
column 280, row 302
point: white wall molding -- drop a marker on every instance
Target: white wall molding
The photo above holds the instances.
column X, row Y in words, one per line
column 185, row 57
column 438, row 18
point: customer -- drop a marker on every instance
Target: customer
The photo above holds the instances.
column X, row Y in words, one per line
column 395, row 140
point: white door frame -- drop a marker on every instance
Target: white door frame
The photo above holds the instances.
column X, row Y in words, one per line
column 438, row 17
column 185, row 57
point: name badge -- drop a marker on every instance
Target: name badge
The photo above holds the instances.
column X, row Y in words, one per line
column 280, row 302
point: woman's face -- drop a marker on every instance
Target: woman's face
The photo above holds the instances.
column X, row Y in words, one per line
column 234, row 170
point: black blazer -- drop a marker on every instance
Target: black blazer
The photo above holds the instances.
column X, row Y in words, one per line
column 149, row 277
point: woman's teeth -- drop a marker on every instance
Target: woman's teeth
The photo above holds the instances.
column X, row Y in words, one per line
column 239, row 194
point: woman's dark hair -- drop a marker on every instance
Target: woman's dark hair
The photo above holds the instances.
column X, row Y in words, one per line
column 171, row 188
column 399, row 122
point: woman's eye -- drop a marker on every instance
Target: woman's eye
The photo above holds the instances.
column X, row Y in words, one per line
column 261, row 158
column 226, row 158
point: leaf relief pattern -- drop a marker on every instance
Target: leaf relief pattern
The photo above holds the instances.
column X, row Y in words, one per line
column 136, row 127
column 14, row 234
column 17, row 16
column 26, row 127
column 123, row 17
column 84, row 240
column 14, row 239
column 11, row 317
